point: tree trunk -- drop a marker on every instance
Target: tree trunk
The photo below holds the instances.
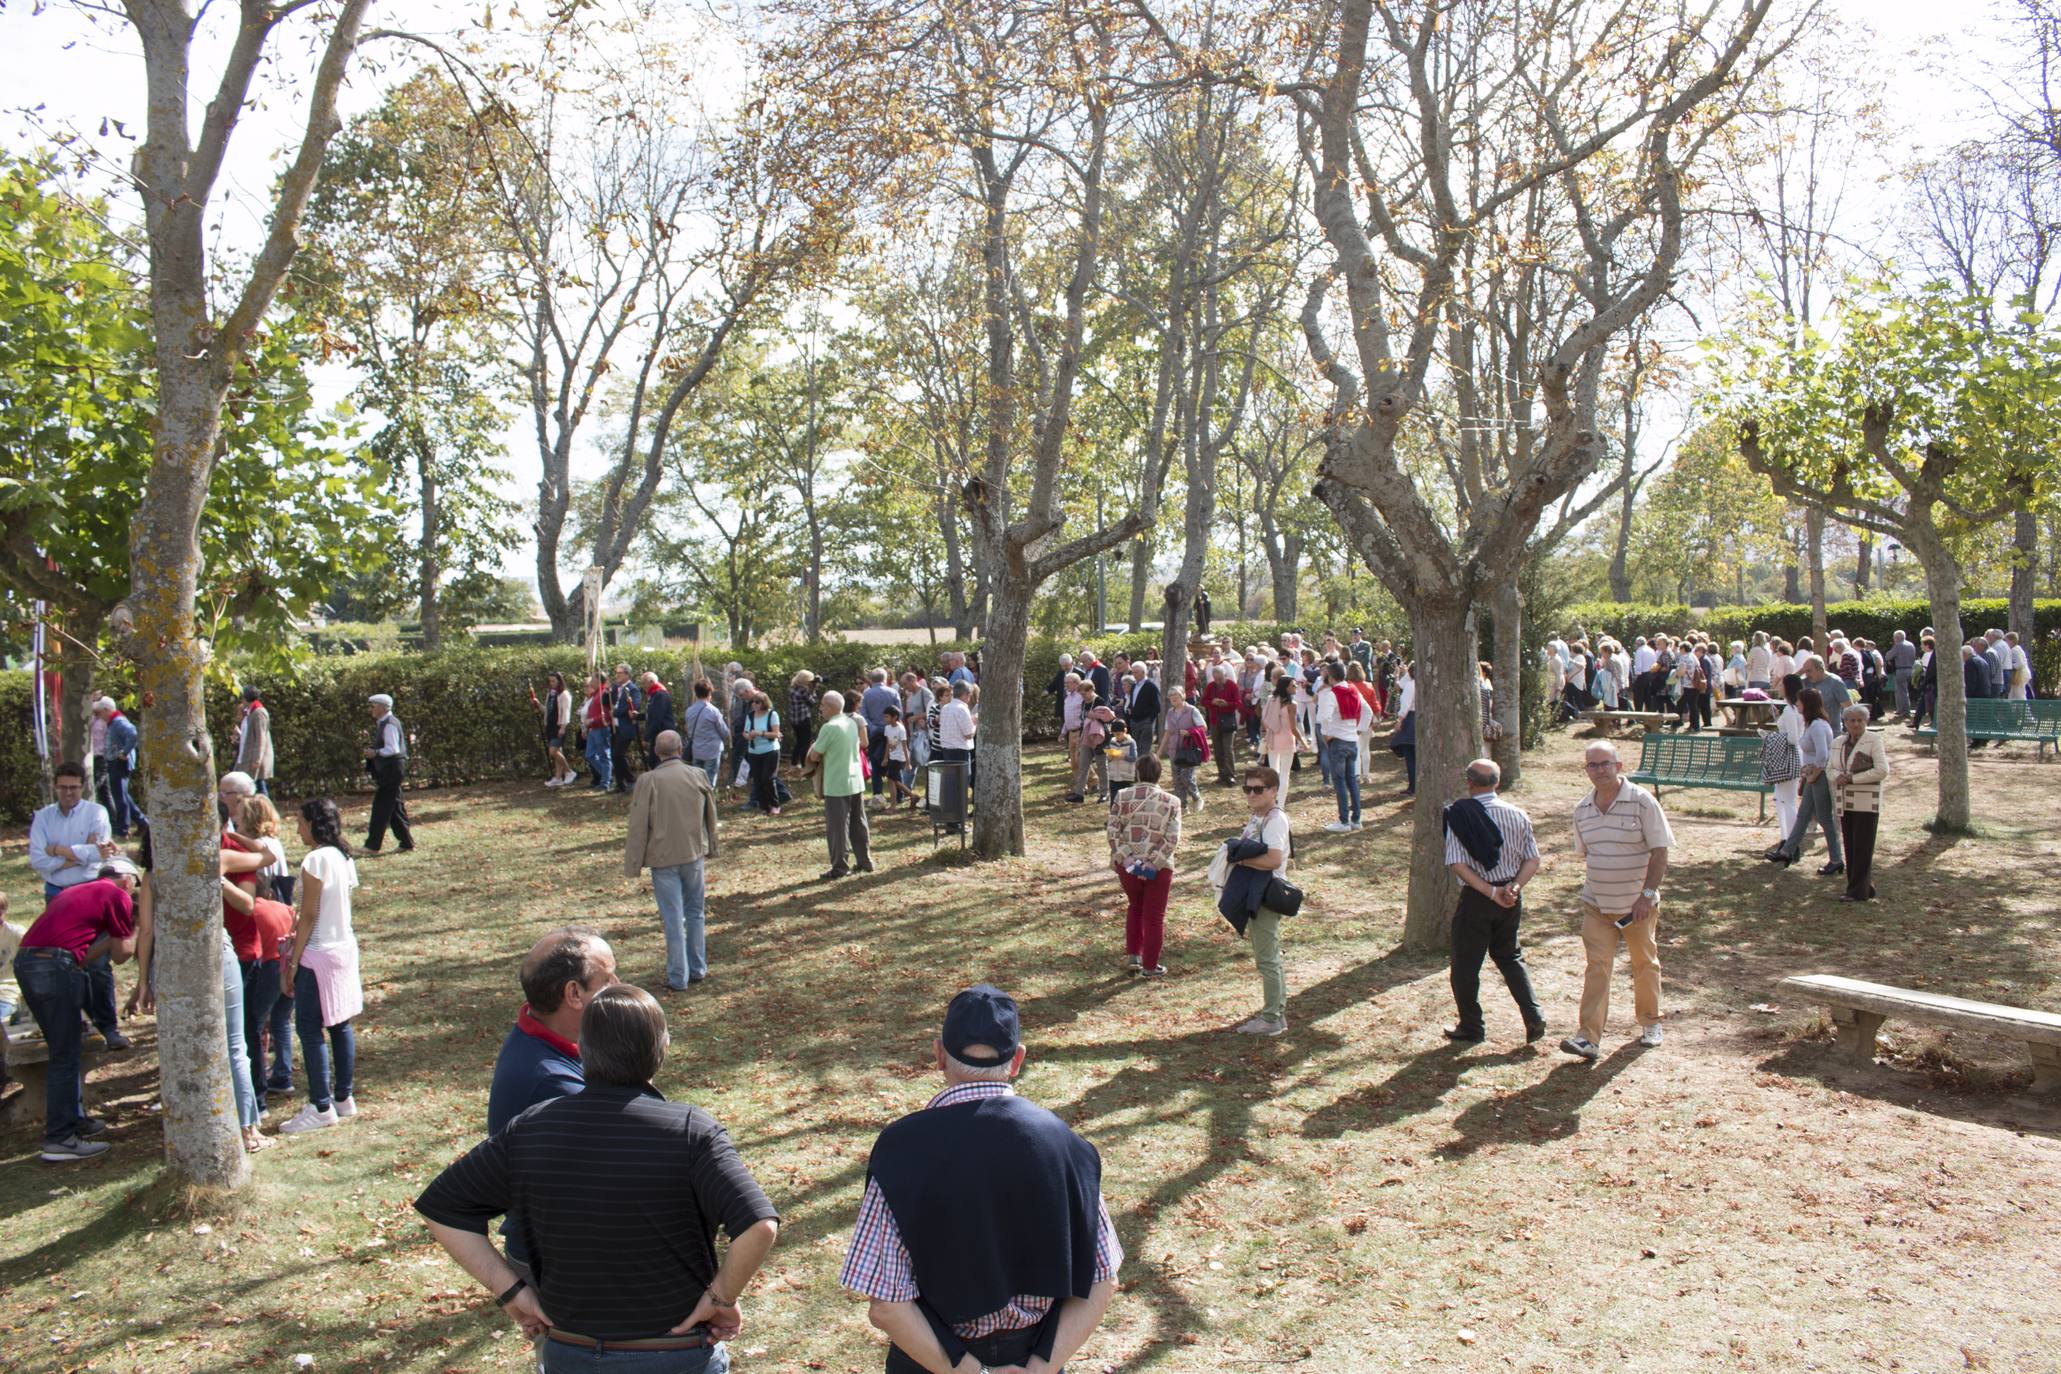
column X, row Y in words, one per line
column 1141, row 574
column 202, row 1139
column 1814, row 525
column 431, row 572
column 1448, row 707
column 75, row 663
column 1507, row 659
column 1620, row 548
column 998, row 789
column 1283, row 569
column 1943, row 584
column 2025, row 549
column 814, row 625
column 1863, row 553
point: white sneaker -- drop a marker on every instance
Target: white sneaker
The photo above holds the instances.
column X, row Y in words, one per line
column 1581, row 1047
column 1340, row 827
column 308, row 1118
column 345, row 1106
column 1263, row 1025
column 1650, row 1037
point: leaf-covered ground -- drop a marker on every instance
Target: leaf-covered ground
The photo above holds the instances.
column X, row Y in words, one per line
column 1356, row 1195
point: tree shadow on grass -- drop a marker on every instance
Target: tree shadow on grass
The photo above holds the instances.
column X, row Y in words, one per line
column 1540, row 1113
column 1823, row 1063
column 1416, row 1087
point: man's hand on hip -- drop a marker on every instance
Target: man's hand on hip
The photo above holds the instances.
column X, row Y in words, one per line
column 528, row 1313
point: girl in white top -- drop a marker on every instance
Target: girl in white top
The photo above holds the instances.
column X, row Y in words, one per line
column 1789, row 725
column 320, row 972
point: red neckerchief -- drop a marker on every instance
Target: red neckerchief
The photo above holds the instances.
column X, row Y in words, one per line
column 530, row 1025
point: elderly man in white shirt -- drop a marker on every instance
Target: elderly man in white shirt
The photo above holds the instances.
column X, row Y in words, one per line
column 69, row 840
column 2020, row 676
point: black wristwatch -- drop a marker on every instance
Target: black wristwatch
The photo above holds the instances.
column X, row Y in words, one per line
column 513, row 1289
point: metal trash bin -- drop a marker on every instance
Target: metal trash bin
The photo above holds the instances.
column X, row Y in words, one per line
column 945, row 796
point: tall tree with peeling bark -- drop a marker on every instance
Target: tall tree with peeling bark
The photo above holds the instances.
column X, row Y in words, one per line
column 1430, row 123
column 1914, row 422
column 643, row 232
column 199, row 354
column 1009, row 109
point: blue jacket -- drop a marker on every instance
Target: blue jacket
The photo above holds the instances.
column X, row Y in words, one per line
column 658, row 714
column 708, row 734
column 121, row 739
column 527, row 1071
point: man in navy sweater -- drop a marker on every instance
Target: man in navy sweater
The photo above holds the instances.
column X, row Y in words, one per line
column 540, row 1059
column 982, row 1232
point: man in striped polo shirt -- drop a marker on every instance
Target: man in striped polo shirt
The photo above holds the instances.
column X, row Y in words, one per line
column 1620, row 830
column 1491, row 850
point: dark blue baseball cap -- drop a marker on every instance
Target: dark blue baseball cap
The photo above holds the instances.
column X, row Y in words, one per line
column 982, row 1015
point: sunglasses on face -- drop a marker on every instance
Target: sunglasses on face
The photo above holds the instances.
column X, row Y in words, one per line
column 1251, row 791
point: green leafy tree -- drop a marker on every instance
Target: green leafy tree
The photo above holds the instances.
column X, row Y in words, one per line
column 1706, row 521
column 1913, row 421
column 294, row 516
column 400, row 271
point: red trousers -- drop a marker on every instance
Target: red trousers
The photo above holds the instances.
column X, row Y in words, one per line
column 1145, row 921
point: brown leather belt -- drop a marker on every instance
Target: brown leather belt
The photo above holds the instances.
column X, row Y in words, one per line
column 692, row 1340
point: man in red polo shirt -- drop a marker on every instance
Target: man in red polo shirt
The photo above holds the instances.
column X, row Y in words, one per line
column 81, row 923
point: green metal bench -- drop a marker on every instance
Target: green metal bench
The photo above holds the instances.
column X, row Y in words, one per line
column 1728, row 763
column 1995, row 719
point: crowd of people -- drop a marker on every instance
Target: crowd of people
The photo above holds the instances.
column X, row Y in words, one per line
column 610, row 1198
column 289, row 956
column 1678, row 677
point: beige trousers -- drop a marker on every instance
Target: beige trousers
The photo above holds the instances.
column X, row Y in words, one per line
column 1599, row 938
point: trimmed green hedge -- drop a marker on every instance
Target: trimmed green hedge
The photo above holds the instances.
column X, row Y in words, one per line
column 468, row 710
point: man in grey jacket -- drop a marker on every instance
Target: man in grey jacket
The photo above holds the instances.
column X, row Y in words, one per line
column 254, row 741
column 672, row 829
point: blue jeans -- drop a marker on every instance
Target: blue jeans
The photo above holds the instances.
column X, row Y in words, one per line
column 121, row 810
column 713, row 766
column 233, row 1022
column 559, row 1358
column 260, row 1008
column 54, row 986
column 678, row 888
column 1343, row 764
column 597, row 748
column 315, row 1049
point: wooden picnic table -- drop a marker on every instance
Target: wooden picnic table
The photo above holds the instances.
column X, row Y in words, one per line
column 1745, row 717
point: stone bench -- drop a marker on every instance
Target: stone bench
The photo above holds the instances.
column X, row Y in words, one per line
column 1859, row 1009
column 28, row 1056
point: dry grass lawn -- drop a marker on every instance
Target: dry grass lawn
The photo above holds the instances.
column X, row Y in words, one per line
column 1356, row 1195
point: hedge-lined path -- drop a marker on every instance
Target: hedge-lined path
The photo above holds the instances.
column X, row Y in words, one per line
column 1355, row 1195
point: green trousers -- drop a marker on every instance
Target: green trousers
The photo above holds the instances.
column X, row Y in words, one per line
column 1264, row 930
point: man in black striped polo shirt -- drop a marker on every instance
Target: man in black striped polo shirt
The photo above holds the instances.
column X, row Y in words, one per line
column 1490, row 848
column 618, row 1194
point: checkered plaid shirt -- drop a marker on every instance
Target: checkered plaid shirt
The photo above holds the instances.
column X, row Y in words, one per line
column 878, row 1266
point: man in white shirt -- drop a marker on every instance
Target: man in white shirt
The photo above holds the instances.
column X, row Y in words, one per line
column 1620, row 830
column 1338, row 735
column 955, row 731
column 2020, row 677
column 69, row 841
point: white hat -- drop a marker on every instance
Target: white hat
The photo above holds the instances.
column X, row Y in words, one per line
column 381, row 699
column 124, row 867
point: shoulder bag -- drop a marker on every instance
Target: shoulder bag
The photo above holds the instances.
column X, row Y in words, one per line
column 1779, row 761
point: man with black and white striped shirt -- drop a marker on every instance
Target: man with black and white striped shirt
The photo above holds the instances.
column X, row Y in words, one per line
column 1491, row 850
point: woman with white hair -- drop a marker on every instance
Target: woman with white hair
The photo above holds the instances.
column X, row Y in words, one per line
column 1859, row 767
